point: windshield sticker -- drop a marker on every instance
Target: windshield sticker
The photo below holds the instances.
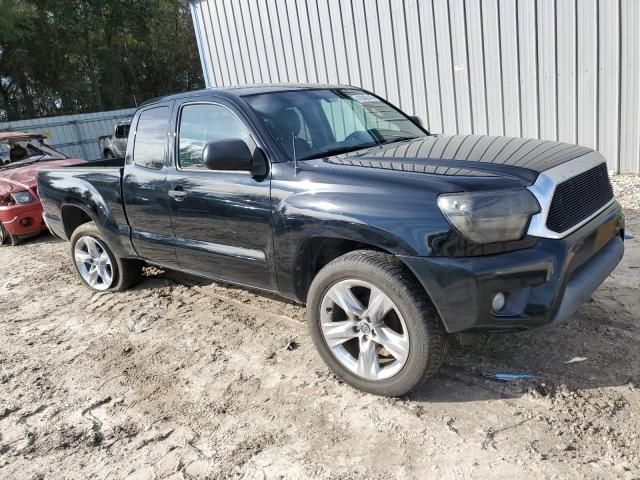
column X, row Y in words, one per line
column 364, row 98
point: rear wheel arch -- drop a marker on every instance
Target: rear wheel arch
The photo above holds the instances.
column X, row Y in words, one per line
column 72, row 217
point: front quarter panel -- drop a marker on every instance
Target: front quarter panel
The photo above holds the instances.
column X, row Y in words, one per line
column 387, row 216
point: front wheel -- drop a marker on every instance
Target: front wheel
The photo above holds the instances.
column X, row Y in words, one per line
column 97, row 265
column 6, row 238
column 373, row 324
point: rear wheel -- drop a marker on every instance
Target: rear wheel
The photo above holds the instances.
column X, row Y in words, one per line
column 373, row 324
column 97, row 265
column 108, row 155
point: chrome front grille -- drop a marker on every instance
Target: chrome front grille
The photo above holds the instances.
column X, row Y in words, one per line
column 570, row 195
column 578, row 198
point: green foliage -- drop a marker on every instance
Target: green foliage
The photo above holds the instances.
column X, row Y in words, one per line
column 61, row 57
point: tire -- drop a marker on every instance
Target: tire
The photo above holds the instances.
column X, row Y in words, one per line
column 120, row 273
column 417, row 349
column 6, row 238
column 108, row 155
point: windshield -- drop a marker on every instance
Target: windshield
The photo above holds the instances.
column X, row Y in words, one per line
column 323, row 122
column 20, row 153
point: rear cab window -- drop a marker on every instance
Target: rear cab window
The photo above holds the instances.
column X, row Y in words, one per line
column 150, row 142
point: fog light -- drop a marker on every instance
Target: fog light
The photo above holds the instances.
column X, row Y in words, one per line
column 497, row 302
column 25, row 222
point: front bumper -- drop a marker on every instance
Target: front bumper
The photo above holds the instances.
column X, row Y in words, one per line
column 544, row 285
column 23, row 220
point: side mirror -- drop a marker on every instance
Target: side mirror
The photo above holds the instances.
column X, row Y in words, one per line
column 416, row 119
column 234, row 155
column 259, row 164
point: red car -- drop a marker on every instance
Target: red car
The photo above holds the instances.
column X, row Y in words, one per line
column 21, row 156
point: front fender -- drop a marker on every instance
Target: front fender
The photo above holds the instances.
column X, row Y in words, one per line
column 386, row 222
column 306, row 215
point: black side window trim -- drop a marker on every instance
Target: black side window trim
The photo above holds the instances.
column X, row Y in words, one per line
column 176, row 146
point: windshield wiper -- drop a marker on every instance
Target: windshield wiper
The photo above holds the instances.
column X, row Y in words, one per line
column 40, row 157
column 15, row 164
column 397, row 139
column 23, row 163
column 338, row 151
column 353, row 148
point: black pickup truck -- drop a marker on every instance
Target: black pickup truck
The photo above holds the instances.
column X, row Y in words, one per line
column 330, row 196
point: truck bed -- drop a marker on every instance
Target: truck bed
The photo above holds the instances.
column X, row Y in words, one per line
column 64, row 188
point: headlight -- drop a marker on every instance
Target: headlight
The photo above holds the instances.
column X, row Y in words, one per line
column 488, row 217
column 22, row 197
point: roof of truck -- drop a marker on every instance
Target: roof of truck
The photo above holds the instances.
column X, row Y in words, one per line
column 244, row 90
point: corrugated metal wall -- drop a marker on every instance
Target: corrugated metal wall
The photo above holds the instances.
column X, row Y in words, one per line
column 564, row 70
column 74, row 135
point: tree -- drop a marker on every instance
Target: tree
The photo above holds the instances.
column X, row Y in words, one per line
column 74, row 56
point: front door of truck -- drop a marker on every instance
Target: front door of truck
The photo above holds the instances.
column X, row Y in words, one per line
column 144, row 188
column 221, row 219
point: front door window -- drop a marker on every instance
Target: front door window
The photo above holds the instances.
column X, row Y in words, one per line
column 201, row 124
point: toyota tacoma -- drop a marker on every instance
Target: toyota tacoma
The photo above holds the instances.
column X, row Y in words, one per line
column 330, row 196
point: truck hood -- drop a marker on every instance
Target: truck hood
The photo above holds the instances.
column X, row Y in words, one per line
column 15, row 179
column 462, row 155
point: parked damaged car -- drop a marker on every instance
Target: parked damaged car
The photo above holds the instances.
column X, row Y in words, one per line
column 22, row 154
column 330, row 196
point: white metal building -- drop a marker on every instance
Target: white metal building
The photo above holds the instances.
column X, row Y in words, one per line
column 564, row 70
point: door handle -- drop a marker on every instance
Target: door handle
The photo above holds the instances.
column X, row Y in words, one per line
column 178, row 193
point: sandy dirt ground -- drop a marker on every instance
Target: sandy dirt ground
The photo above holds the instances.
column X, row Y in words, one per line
column 185, row 378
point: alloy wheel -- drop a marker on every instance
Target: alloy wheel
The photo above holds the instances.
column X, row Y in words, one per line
column 94, row 263
column 364, row 329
